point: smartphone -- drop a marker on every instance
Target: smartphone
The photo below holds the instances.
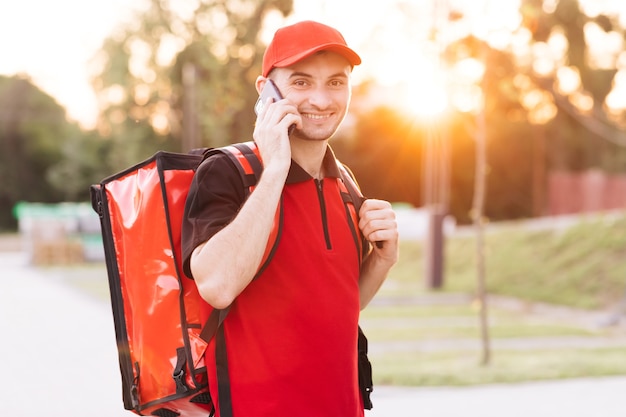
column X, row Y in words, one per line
column 270, row 90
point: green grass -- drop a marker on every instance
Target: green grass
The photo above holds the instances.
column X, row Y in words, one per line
column 583, row 267
column 463, row 368
column 439, row 344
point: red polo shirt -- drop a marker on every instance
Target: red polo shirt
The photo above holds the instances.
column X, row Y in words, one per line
column 291, row 335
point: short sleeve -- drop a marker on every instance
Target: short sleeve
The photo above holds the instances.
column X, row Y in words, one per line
column 215, row 197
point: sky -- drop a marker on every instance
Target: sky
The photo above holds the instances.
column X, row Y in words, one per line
column 52, row 41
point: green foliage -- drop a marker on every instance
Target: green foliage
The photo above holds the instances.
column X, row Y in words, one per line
column 579, row 140
column 33, row 132
column 202, row 96
column 385, row 155
column 82, row 163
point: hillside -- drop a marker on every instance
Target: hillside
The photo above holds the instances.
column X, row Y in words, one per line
column 553, row 286
column 577, row 262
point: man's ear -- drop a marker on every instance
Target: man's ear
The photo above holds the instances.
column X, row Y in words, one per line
column 260, row 83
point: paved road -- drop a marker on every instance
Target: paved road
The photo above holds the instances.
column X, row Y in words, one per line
column 49, row 371
column 574, row 398
column 58, row 348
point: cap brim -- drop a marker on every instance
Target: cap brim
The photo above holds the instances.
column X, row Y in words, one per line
column 352, row 57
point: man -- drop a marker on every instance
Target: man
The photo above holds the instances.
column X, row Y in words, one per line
column 291, row 334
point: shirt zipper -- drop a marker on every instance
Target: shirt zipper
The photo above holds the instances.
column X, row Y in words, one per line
column 320, row 193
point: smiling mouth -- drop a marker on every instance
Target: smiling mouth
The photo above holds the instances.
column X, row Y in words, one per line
column 316, row 116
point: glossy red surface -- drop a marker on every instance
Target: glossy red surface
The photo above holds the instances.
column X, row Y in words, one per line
column 158, row 322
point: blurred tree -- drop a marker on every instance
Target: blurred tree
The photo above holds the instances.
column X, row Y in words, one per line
column 81, row 164
column 509, row 144
column 546, row 91
column 33, row 133
column 579, row 76
column 384, row 152
column 200, row 56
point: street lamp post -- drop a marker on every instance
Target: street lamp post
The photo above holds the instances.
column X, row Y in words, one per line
column 436, row 183
column 436, row 171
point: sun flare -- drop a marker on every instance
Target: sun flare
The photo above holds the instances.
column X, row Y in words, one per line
column 426, row 98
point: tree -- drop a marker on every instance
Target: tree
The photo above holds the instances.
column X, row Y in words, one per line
column 535, row 123
column 202, row 57
column 382, row 151
column 33, row 132
column 587, row 131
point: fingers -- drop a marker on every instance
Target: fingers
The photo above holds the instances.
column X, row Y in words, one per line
column 276, row 118
column 378, row 222
column 270, row 133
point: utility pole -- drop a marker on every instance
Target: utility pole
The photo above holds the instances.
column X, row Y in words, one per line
column 436, row 172
column 436, row 183
column 539, row 171
column 191, row 138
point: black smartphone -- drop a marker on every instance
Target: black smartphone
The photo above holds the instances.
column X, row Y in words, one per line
column 270, row 90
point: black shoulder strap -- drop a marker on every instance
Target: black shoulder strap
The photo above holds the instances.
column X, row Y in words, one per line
column 248, row 163
column 356, row 198
column 366, row 384
column 247, row 159
column 353, row 188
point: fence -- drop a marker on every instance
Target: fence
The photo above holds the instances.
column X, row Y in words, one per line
column 585, row 192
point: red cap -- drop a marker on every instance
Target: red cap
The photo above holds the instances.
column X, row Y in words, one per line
column 298, row 41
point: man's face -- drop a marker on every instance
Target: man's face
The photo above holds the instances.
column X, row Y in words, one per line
column 319, row 86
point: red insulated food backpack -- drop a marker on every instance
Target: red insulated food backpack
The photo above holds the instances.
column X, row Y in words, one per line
column 161, row 338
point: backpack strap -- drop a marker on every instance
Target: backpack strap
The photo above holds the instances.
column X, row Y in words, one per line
column 352, row 199
column 247, row 159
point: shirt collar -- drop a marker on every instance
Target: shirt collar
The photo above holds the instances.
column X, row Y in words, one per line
column 298, row 174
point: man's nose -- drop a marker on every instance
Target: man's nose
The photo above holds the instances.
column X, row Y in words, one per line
column 320, row 97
